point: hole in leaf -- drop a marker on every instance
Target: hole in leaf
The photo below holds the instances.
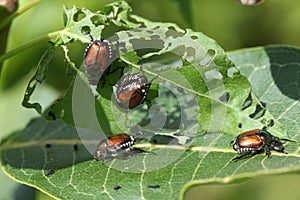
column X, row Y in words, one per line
column 155, row 37
column 194, row 37
column 210, row 54
column 190, row 52
column 107, row 9
column 96, row 21
column 52, row 115
column 143, row 47
column 85, row 30
column 247, row 102
column 163, row 139
column 213, row 74
column 173, row 33
column 231, row 71
column 163, row 61
column 79, row 15
column 259, row 111
column 150, row 32
column 270, row 123
column 181, row 50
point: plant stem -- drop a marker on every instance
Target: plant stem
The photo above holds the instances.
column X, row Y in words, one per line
column 6, row 21
column 28, row 45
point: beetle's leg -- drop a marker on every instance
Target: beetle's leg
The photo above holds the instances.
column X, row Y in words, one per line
column 138, row 150
column 242, row 155
column 267, row 150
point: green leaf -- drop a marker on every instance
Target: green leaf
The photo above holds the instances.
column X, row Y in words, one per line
column 46, row 145
column 205, row 76
column 38, row 77
column 203, row 103
column 273, row 73
column 77, row 19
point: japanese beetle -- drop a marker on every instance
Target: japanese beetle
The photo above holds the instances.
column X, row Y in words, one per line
column 97, row 57
column 132, row 90
column 255, row 141
column 117, row 146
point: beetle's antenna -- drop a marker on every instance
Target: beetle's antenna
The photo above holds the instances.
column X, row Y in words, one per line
column 155, row 77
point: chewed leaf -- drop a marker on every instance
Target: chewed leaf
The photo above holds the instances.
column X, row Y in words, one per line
column 199, row 68
column 58, row 159
column 202, row 103
column 38, row 77
column 273, row 73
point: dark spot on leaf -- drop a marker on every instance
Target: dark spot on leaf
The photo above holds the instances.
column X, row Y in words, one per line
column 225, row 97
column 75, row 147
column 180, row 89
column 117, row 187
column 153, row 186
column 240, row 125
column 49, row 172
column 48, row 145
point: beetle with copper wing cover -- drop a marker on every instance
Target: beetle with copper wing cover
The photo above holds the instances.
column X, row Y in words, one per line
column 117, row 146
column 256, row 141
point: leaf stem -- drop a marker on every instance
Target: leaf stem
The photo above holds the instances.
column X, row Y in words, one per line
column 6, row 21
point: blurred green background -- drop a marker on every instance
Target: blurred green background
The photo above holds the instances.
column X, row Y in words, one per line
column 232, row 25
